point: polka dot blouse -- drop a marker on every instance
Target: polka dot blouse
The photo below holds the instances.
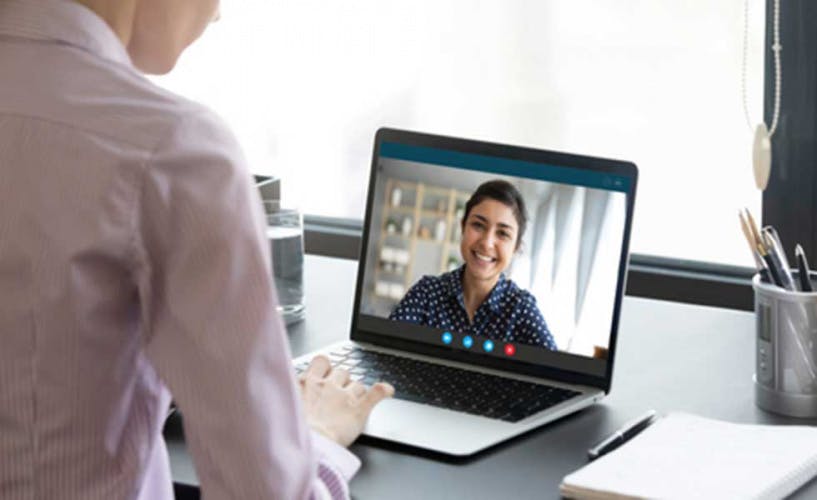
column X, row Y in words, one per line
column 508, row 314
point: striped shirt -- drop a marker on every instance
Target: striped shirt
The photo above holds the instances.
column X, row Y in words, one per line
column 133, row 266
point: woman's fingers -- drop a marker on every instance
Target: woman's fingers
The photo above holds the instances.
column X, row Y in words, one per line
column 357, row 389
column 376, row 394
column 319, row 367
column 339, row 376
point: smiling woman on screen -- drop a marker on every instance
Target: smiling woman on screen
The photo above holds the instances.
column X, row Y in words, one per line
column 477, row 298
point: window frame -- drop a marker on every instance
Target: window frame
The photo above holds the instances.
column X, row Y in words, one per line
column 790, row 200
column 648, row 276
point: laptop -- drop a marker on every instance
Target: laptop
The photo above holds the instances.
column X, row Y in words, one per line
column 486, row 329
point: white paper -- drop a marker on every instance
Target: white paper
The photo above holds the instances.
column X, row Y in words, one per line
column 686, row 456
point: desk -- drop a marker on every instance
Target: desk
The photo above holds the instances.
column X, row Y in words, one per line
column 670, row 356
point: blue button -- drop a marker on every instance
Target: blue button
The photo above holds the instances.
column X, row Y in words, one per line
column 488, row 345
column 467, row 341
column 447, row 338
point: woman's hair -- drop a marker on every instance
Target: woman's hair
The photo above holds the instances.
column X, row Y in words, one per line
column 505, row 193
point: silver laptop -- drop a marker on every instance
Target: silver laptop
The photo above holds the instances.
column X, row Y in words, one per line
column 489, row 288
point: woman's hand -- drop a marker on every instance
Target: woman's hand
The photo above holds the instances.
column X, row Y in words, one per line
column 336, row 406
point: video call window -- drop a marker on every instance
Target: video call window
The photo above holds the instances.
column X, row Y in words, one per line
column 496, row 257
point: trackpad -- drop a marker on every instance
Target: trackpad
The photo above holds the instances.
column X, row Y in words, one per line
column 432, row 428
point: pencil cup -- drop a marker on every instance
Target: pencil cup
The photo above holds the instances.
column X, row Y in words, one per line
column 786, row 355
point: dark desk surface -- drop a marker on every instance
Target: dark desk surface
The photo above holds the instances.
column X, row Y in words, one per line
column 670, row 356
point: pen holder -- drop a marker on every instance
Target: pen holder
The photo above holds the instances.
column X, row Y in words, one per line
column 786, row 353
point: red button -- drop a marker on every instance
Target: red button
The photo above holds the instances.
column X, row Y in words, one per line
column 510, row 349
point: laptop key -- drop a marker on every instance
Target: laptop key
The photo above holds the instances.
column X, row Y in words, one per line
column 407, row 396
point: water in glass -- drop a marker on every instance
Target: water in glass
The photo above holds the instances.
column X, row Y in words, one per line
column 286, row 236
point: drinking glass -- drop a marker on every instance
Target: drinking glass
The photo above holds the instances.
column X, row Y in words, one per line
column 285, row 231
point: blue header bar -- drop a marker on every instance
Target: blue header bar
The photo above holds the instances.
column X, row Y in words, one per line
column 506, row 166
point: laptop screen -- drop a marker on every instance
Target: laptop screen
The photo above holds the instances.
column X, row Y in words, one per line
column 493, row 254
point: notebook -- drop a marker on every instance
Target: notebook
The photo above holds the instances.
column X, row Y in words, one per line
column 687, row 456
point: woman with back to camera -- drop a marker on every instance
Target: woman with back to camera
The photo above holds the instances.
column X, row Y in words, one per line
column 477, row 299
column 134, row 267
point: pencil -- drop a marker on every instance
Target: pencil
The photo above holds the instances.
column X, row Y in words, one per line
column 755, row 232
column 744, row 226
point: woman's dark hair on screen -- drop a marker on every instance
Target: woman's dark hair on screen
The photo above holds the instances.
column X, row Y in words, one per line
column 505, row 193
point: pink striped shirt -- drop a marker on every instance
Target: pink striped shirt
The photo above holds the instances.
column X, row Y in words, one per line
column 132, row 261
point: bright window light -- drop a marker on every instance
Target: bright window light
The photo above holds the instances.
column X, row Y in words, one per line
column 305, row 84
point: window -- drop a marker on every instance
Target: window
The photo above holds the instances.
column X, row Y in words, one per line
column 305, row 84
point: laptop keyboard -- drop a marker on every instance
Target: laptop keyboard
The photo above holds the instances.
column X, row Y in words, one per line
column 448, row 387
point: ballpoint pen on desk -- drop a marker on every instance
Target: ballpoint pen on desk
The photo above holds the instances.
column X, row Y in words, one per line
column 803, row 270
column 621, row 436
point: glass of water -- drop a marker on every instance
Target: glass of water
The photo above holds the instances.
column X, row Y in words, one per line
column 285, row 231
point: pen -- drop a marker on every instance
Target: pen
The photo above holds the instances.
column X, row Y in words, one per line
column 774, row 275
column 778, row 257
column 621, row 436
column 803, row 270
